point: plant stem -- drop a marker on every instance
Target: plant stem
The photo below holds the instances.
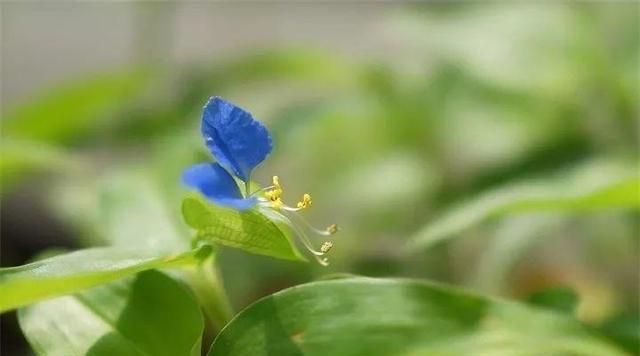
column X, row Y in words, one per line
column 206, row 283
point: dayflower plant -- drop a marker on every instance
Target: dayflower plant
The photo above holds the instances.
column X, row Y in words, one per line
column 239, row 143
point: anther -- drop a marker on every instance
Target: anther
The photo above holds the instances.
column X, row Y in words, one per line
column 275, row 193
column 306, row 202
column 326, row 246
column 277, row 203
column 332, row 229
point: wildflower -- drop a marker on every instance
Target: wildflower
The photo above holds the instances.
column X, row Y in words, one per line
column 239, row 143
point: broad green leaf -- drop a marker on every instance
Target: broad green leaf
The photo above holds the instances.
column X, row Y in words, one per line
column 146, row 314
column 249, row 230
column 72, row 272
column 576, row 193
column 66, row 112
column 364, row 316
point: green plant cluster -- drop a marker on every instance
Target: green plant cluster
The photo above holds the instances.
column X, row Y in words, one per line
column 447, row 172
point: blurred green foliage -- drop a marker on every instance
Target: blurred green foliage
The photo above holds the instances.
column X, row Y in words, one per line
column 468, row 119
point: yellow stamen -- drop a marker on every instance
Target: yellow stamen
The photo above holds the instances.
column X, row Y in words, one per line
column 332, row 229
column 306, row 202
column 275, row 193
column 276, row 183
column 326, row 246
column 277, row 203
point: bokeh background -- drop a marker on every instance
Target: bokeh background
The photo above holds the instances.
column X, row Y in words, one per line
column 390, row 114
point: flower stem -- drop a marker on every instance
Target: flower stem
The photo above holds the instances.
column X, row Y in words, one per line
column 206, row 283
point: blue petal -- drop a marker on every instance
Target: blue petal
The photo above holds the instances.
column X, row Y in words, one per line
column 215, row 183
column 237, row 140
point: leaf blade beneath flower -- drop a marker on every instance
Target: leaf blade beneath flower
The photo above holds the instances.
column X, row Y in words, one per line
column 246, row 230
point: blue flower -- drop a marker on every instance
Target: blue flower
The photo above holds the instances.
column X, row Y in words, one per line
column 239, row 143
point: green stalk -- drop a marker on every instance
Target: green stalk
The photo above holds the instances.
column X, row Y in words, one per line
column 206, row 283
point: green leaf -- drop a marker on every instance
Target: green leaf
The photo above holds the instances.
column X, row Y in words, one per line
column 146, row 314
column 578, row 192
column 365, row 316
column 67, row 111
column 72, row 272
column 248, row 230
